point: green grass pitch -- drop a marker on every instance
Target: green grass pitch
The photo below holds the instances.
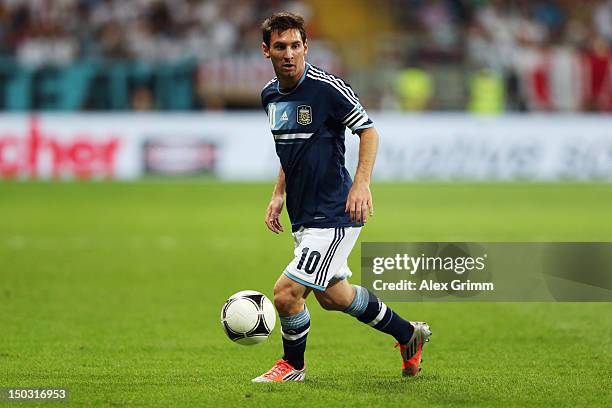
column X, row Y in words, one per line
column 113, row 290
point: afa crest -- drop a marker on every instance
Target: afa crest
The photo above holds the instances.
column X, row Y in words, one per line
column 304, row 115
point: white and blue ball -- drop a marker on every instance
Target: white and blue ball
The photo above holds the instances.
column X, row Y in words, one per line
column 248, row 317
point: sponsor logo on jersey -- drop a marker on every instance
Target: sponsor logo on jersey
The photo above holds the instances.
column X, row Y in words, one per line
column 284, row 117
column 304, row 115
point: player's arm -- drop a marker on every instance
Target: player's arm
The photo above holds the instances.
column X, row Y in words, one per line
column 276, row 204
column 345, row 108
column 359, row 202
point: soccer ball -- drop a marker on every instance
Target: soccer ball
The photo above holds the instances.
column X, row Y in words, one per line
column 248, row 317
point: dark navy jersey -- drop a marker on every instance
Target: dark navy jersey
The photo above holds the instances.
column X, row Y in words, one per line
column 308, row 124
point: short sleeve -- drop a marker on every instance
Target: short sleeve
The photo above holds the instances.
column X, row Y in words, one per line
column 345, row 106
column 265, row 93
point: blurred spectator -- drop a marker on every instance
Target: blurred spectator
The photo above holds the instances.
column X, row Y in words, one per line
column 597, row 64
column 142, row 99
column 602, row 18
column 549, row 14
column 441, row 31
column 415, row 87
column 565, row 77
column 487, row 93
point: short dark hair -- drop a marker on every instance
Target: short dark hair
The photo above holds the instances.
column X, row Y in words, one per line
column 280, row 22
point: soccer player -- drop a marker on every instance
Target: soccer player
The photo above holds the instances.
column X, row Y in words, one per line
column 308, row 111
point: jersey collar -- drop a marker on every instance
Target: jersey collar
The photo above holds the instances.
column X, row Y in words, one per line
column 303, row 77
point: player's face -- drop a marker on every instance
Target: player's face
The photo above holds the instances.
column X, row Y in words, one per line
column 287, row 53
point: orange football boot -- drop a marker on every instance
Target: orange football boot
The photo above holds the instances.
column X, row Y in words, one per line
column 281, row 371
column 411, row 351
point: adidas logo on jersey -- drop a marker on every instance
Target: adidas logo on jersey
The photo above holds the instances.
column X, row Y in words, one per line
column 284, row 117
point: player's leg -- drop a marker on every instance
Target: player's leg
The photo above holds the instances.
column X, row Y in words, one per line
column 366, row 307
column 338, row 296
column 289, row 300
column 290, row 293
column 313, row 252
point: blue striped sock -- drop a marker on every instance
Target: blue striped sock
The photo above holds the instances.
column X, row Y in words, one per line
column 294, row 330
column 367, row 308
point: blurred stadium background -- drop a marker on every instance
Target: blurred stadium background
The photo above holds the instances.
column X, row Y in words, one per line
column 113, row 289
column 462, row 55
column 195, row 67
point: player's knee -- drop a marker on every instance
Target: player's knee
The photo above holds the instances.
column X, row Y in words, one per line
column 329, row 303
column 286, row 302
column 281, row 303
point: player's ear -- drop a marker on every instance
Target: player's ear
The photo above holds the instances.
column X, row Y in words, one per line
column 305, row 47
column 265, row 49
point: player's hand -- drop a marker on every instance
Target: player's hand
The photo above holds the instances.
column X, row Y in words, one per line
column 359, row 203
column 273, row 214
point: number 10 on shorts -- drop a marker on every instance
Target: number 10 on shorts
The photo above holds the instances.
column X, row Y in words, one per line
column 320, row 255
column 311, row 263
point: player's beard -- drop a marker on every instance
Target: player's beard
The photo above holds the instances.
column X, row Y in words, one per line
column 293, row 72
